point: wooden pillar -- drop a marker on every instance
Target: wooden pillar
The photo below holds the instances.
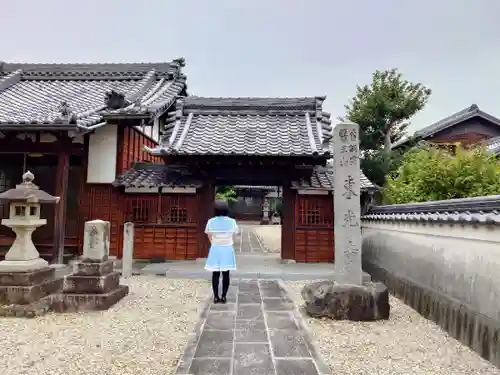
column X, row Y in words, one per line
column 206, row 196
column 288, row 224
column 62, row 175
column 159, row 207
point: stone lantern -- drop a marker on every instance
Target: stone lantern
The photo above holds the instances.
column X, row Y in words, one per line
column 24, row 217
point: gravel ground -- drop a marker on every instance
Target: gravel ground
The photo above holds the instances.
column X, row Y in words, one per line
column 270, row 237
column 145, row 333
column 406, row 344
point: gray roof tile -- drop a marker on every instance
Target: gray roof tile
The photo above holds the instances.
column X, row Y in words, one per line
column 322, row 178
column 156, row 175
column 492, row 145
column 32, row 94
column 476, row 210
column 152, row 175
column 248, row 126
column 255, row 187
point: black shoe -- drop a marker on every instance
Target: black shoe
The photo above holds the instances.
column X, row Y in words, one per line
column 217, row 300
column 223, row 300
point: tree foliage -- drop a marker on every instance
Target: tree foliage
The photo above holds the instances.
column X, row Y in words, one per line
column 383, row 108
column 432, row 173
column 378, row 164
column 226, row 192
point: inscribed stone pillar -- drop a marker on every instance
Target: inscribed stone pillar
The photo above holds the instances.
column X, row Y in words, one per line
column 265, row 211
column 128, row 249
column 96, row 240
column 347, row 206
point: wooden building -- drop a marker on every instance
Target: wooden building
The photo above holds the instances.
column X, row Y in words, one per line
column 469, row 126
column 124, row 142
column 76, row 126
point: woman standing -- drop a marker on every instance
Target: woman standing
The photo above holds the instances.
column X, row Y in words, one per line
column 221, row 230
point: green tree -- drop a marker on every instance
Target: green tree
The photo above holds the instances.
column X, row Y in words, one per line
column 226, row 192
column 431, row 173
column 383, row 108
column 378, row 164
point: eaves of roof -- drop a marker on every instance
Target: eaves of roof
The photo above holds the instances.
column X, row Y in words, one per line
column 83, row 96
column 248, row 127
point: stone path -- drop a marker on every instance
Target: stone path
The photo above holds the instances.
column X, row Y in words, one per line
column 252, row 263
column 247, row 241
column 258, row 332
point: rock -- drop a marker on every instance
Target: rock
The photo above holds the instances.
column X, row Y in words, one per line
column 347, row 302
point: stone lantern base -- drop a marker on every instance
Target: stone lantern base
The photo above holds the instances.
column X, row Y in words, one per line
column 28, row 293
column 23, row 266
column 93, row 285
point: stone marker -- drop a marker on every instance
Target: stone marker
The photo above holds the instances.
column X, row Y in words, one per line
column 347, row 302
column 128, row 249
column 96, row 240
column 265, row 212
column 347, row 297
column 94, row 284
column 347, row 205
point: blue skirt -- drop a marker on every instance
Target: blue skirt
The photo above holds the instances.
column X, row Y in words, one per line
column 221, row 258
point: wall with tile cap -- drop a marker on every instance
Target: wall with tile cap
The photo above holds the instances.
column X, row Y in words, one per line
column 451, row 246
column 442, row 256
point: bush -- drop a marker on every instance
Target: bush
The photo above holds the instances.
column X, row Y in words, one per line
column 433, row 173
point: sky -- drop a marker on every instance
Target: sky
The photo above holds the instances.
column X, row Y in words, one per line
column 277, row 47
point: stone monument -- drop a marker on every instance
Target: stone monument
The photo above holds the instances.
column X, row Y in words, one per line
column 26, row 280
column 347, row 297
column 128, row 249
column 347, row 204
column 94, row 284
column 265, row 212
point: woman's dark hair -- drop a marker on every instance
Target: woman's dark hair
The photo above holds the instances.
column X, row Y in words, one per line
column 221, row 207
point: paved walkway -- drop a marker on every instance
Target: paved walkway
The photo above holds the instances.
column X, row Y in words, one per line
column 252, row 263
column 247, row 241
column 258, row 332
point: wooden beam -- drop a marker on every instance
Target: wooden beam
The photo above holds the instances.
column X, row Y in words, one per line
column 16, row 146
column 62, row 176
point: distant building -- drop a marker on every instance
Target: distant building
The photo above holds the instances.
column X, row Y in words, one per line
column 467, row 127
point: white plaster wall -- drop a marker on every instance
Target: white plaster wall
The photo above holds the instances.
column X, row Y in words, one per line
column 103, row 144
column 461, row 261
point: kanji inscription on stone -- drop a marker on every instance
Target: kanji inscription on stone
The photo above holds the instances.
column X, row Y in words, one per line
column 347, row 205
column 96, row 240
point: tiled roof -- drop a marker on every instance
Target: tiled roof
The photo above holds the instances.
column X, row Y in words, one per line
column 82, row 95
column 476, row 210
column 156, row 175
column 493, row 145
column 255, row 187
column 322, row 179
column 248, row 126
column 453, row 217
column 454, row 119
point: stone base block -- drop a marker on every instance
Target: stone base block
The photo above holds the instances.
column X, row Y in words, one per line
column 264, row 222
column 27, row 278
column 347, row 302
column 23, row 265
column 24, row 295
column 89, row 302
column 91, row 284
column 86, row 268
column 32, row 310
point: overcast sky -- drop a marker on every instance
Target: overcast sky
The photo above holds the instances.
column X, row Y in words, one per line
column 276, row 47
